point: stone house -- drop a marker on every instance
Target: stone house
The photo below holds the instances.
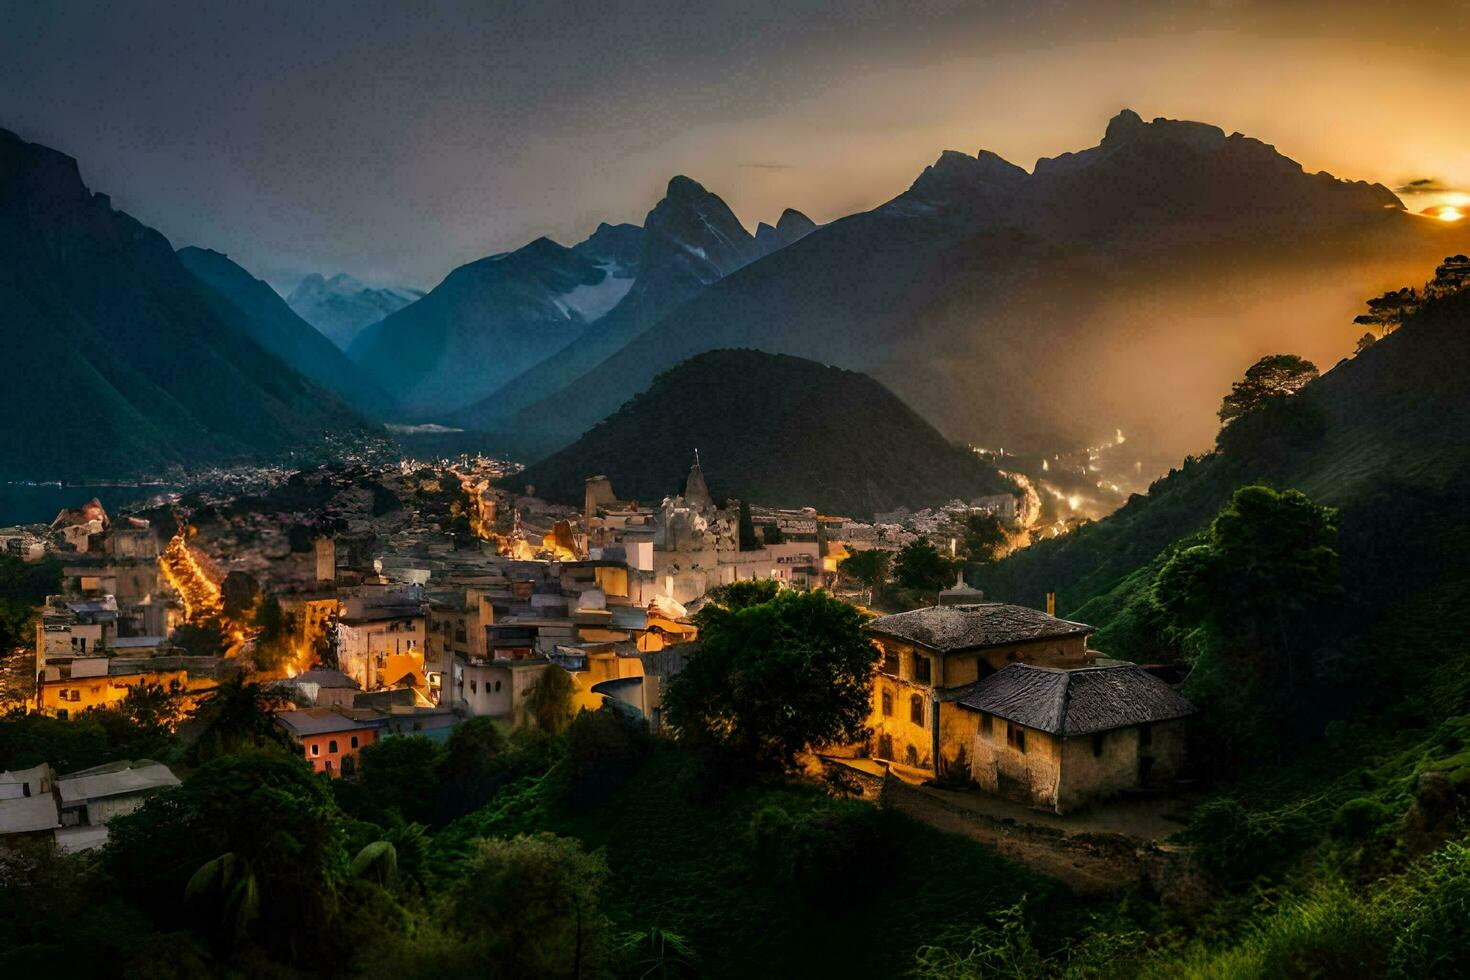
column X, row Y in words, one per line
column 1010, row 698
column 1061, row 739
column 927, row 651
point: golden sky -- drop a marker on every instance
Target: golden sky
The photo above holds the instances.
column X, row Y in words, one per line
column 396, row 142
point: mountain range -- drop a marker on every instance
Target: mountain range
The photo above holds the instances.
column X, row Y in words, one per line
column 1122, row 286
column 340, row 307
column 498, row 332
column 277, row 328
column 770, row 429
column 497, row 316
column 124, row 362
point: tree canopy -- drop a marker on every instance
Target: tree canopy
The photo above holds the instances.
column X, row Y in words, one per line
column 774, row 677
column 923, row 567
column 982, row 537
column 1267, row 557
column 1273, row 376
column 530, row 906
column 868, row 568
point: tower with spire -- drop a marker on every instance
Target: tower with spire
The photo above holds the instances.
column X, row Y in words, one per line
column 696, row 491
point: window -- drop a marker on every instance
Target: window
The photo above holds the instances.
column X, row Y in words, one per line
column 890, row 662
column 921, row 669
column 1097, row 744
column 316, row 748
column 911, row 755
column 354, row 741
column 887, row 702
column 987, row 725
column 916, row 709
column 1016, row 737
column 332, row 746
column 497, row 685
column 1145, row 736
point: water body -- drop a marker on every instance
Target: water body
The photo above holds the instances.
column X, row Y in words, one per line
column 24, row 504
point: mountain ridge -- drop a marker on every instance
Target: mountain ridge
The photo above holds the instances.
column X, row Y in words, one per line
column 969, row 274
column 277, row 328
column 143, row 370
column 770, row 429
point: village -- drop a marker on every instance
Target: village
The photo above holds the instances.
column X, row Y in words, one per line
column 409, row 599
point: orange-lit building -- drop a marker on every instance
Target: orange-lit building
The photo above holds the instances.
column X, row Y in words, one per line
column 66, row 690
column 332, row 738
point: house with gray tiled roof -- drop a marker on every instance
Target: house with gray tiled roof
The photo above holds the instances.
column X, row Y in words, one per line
column 1012, row 699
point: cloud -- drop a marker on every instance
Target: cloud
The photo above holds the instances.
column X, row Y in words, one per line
column 767, row 165
column 1423, row 185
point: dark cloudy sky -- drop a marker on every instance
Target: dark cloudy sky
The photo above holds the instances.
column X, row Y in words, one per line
column 394, row 141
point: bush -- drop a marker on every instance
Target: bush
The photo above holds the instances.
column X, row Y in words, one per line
column 1359, row 819
column 1238, row 844
column 604, row 751
column 530, row 907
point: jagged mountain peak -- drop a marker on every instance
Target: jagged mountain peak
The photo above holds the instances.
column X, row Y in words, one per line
column 967, row 184
column 681, row 186
column 791, row 227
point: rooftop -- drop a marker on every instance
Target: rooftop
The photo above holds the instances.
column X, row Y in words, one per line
column 1074, row 702
column 28, row 814
column 325, row 721
column 114, row 779
column 971, row 626
column 324, row 677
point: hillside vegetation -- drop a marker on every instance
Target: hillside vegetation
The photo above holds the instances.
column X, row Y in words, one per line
column 1334, row 826
column 770, row 429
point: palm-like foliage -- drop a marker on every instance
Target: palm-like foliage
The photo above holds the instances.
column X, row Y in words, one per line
column 237, row 715
column 655, row 952
column 227, row 886
column 378, row 862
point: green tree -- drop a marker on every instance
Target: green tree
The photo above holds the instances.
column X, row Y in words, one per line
column 238, row 714
column 548, row 703
column 603, row 751
column 141, row 725
column 748, row 540
column 531, row 907
column 238, row 594
column 24, row 586
column 739, row 595
column 1388, row 312
column 983, row 537
column 923, row 567
column 1268, row 557
column 249, row 849
column 868, row 568
column 396, row 777
column 773, row 678
column 1272, row 377
column 473, row 767
column 202, row 639
column 273, row 642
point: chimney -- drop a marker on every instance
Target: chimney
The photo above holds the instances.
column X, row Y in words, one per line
column 326, row 559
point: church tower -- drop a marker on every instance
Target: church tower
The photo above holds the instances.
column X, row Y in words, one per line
column 696, row 492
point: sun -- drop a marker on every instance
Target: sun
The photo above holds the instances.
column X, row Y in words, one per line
column 1449, row 213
